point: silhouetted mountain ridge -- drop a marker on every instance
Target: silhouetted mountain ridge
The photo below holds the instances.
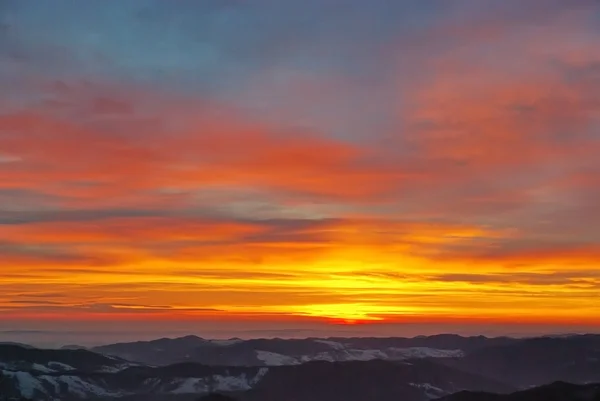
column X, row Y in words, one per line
column 537, row 361
column 374, row 380
column 48, row 360
column 557, row 391
column 265, row 352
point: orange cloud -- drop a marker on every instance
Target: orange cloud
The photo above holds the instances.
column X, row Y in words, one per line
column 138, row 229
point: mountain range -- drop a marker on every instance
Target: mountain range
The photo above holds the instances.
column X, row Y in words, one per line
column 270, row 352
column 348, row 369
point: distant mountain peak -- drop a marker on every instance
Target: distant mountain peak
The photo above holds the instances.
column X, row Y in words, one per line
column 191, row 337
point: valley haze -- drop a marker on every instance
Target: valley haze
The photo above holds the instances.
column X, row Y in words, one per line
column 90, row 335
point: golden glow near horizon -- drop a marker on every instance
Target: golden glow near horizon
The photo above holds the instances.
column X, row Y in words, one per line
column 348, row 282
column 455, row 187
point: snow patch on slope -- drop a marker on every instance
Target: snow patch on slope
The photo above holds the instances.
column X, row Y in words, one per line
column 340, row 354
column 274, row 359
column 60, row 366
column 425, row 352
column 189, row 386
column 225, row 343
column 41, row 368
column 431, row 391
column 83, row 388
column 218, row 383
column 28, row 384
column 332, row 344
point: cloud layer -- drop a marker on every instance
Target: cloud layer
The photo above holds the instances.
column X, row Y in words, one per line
column 385, row 161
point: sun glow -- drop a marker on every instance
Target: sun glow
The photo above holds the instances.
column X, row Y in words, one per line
column 352, row 312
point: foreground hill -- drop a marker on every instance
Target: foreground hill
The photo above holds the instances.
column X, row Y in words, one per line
column 558, row 391
column 537, row 361
column 376, row 380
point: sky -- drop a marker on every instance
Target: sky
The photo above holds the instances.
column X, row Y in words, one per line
column 298, row 168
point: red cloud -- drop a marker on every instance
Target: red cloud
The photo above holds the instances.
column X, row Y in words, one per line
column 182, row 146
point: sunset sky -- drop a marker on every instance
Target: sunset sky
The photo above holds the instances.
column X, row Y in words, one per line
column 295, row 168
